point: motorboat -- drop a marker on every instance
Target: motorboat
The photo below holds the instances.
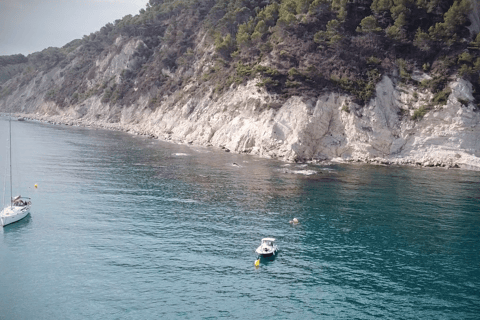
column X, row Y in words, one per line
column 267, row 248
column 17, row 210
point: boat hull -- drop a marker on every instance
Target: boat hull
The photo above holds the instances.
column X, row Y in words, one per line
column 13, row 214
column 267, row 255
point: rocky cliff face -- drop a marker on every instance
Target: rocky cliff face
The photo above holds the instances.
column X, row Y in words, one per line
column 474, row 17
column 248, row 119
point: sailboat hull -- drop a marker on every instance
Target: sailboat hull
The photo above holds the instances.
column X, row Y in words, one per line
column 13, row 214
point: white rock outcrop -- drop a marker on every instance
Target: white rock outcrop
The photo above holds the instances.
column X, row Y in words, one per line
column 247, row 119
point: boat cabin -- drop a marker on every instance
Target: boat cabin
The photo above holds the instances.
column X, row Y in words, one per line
column 268, row 241
column 18, row 201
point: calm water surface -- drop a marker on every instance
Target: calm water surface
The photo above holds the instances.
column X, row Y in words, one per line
column 124, row 227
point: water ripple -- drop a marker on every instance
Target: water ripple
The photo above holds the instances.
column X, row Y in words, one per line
column 126, row 227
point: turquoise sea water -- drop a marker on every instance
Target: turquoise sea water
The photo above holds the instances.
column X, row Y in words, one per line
column 125, row 227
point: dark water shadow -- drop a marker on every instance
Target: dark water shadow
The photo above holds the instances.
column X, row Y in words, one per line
column 268, row 260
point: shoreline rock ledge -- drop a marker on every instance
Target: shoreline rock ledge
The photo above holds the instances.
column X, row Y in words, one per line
column 247, row 119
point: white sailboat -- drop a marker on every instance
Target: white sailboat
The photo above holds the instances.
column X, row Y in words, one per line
column 19, row 206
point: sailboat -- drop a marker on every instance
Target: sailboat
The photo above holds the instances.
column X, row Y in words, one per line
column 19, row 206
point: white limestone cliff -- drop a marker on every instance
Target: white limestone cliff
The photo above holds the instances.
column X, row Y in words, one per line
column 247, row 119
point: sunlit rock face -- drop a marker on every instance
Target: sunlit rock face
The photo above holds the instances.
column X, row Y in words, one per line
column 474, row 17
column 248, row 119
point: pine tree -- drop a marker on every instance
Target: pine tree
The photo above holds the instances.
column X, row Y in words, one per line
column 379, row 6
column 456, row 15
column 422, row 40
column 243, row 35
column 369, row 24
column 395, row 33
column 476, row 43
column 260, row 30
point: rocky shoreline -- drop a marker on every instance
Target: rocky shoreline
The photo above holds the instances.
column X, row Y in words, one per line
column 288, row 150
column 248, row 119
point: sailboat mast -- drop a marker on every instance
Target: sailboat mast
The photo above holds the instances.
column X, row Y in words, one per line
column 10, row 130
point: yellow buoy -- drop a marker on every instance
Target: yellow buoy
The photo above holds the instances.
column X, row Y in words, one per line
column 36, row 186
column 257, row 263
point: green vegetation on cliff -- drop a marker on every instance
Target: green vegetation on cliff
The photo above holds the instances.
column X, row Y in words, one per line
column 294, row 47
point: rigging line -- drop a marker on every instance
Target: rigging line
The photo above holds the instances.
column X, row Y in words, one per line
column 5, row 180
column 11, row 193
column 5, row 177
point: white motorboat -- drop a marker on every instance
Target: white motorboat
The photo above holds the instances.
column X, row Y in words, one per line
column 19, row 207
column 267, row 248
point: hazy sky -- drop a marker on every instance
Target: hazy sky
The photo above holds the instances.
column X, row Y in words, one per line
column 27, row 26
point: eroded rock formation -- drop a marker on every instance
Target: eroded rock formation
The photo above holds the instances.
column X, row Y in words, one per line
column 248, row 119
